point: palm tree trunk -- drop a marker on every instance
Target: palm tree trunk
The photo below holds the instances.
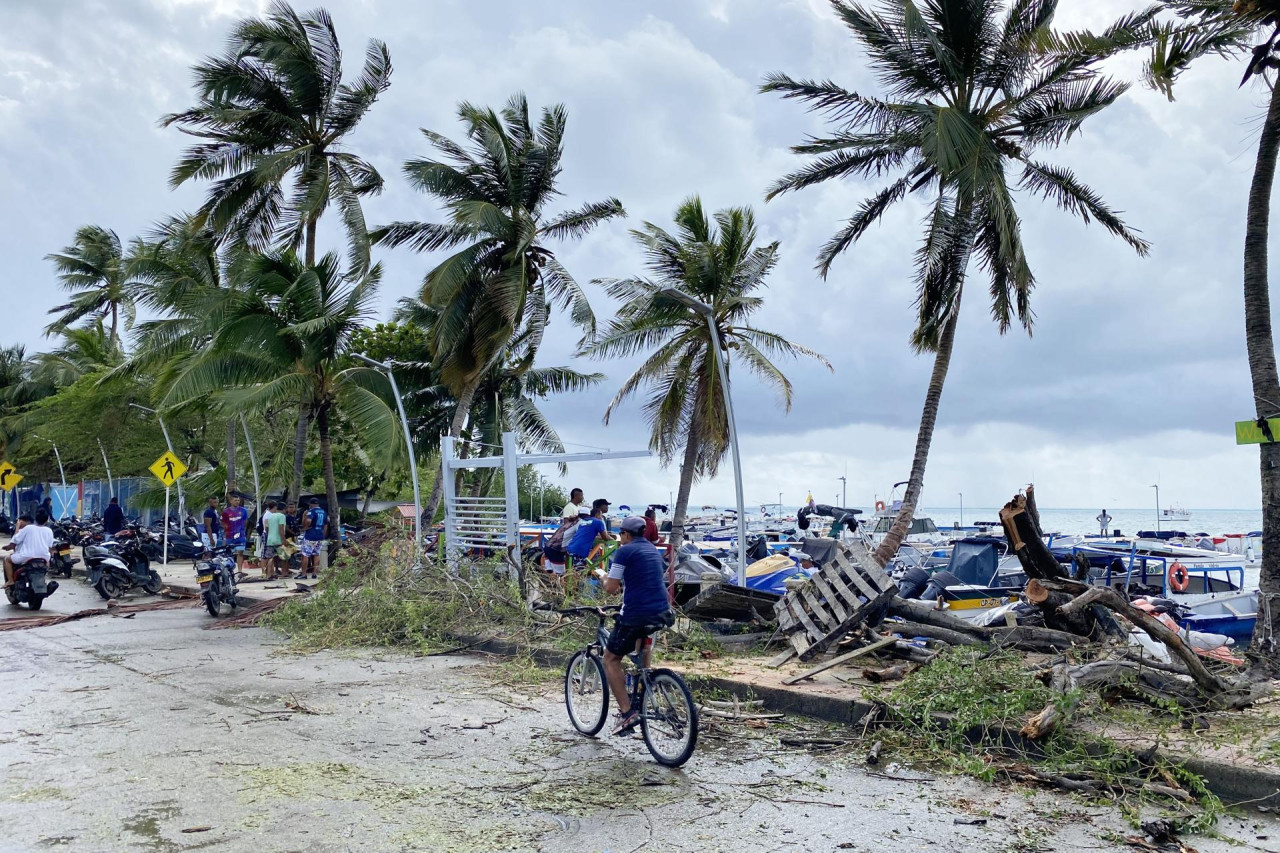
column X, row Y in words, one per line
column 311, row 243
column 326, row 456
column 455, row 430
column 1266, row 383
column 231, row 456
column 299, row 450
column 929, row 417
column 115, row 319
column 687, row 471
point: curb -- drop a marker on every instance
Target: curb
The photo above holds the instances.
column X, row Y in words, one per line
column 1244, row 787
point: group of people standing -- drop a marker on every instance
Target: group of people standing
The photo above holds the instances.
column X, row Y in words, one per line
column 283, row 530
column 580, row 529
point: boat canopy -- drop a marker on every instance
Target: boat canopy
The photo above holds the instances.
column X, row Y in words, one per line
column 973, row 561
column 918, row 525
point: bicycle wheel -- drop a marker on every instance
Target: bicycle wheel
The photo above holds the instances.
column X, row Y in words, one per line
column 586, row 694
column 669, row 719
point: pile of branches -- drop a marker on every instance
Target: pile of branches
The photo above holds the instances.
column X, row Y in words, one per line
column 1093, row 622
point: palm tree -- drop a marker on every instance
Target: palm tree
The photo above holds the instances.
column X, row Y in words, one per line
column 83, row 351
column 971, row 91
column 1251, row 28
column 93, row 268
column 183, row 278
column 283, row 339
column 720, row 265
column 505, row 400
column 505, row 277
column 274, row 105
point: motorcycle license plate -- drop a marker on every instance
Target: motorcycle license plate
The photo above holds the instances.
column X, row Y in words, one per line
column 64, row 551
column 204, row 578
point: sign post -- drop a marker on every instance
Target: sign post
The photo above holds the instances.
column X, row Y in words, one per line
column 168, row 468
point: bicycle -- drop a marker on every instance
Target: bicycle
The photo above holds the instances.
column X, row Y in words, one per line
column 668, row 716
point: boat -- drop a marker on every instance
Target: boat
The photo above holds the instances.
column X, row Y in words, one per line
column 1175, row 513
column 979, row 576
column 1233, row 615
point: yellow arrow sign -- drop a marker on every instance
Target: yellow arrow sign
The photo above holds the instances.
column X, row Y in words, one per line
column 168, row 468
column 9, row 476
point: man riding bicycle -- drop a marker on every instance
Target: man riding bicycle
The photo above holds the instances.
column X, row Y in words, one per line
column 637, row 570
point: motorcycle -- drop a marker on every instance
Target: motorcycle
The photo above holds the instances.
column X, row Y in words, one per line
column 60, row 560
column 6, row 525
column 31, row 584
column 217, row 579
column 115, row 568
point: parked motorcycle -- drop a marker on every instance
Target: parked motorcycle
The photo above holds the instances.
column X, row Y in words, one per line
column 114, row 568
column 60, row 560
column 6, row 525
column 31, row 584
column 217, row 579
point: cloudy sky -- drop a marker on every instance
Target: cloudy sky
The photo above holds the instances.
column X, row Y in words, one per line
column 1134, row 375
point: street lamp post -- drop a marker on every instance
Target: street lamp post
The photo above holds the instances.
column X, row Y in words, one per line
column 408, row 445
column 111, row 487
column 1156, row 486
column 961, row 494
column 182, row 501
column 56, row 455
column 722, row 367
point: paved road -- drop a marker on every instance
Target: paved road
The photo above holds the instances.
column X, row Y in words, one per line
column 118, row 734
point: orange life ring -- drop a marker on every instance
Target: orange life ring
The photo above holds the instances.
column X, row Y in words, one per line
column 1179, row 577
column 879, row 506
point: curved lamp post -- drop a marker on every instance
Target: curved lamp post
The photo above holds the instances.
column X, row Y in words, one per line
column 408, row 446
column 721, row 365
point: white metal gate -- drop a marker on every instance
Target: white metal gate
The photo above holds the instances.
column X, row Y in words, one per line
column 494, row 523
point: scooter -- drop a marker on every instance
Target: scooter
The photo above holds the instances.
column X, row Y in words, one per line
column 112, row 576
column 217, row 579
column 31, row 584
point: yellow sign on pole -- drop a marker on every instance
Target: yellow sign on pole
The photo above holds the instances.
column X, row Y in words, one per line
column 168, row 468
column 1249, row 432
column 9, row 476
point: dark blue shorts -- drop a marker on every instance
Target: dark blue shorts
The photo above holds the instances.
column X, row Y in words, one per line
column 627, row 632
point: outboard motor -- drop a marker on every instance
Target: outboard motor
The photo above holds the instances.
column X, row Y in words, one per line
column 938, row 585
column 913, row 583
column 757, row 548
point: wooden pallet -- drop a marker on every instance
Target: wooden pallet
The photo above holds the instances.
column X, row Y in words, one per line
column 836, row 599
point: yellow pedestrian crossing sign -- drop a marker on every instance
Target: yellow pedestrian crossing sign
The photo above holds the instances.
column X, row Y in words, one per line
column 168, row 469
column 9, row 476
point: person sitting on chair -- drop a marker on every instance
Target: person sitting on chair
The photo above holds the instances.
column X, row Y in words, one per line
column 637, row 570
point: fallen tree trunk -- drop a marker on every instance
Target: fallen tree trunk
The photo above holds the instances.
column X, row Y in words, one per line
column 1025, row 638
column 1209, row 682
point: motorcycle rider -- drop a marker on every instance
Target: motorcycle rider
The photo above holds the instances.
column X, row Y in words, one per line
column 32, row 541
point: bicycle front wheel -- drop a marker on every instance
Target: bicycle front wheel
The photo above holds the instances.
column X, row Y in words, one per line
column 669, row 719
column 586, row 694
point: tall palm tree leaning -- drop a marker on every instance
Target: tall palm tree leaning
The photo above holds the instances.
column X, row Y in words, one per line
column 271, row 107
column 720, row 265
column 505, row 277
column 971, row 91
column 96, row 272
column 184, row 279
column 284, row 339
column 1249, row 28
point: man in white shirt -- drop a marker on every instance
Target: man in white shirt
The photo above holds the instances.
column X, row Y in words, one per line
column 570, row 514
column 31, row 541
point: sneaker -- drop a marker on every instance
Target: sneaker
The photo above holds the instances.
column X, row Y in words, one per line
column 625, row 723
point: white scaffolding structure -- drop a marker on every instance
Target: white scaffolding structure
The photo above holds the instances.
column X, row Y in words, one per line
column 495, row 522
